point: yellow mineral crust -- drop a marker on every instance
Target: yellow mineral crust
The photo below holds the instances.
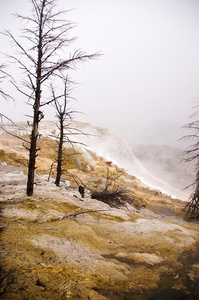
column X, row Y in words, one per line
column 57, row 245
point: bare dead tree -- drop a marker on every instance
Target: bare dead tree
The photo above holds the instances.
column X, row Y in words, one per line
column 46, row 34
column 63, row 114
column 192, row 154
column 113, row 194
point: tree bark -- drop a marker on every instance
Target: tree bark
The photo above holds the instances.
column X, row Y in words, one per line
column 60, row 151
column 31, row 166
column 33, row 153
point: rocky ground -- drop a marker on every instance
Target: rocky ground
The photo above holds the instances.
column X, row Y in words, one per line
column 57, row 245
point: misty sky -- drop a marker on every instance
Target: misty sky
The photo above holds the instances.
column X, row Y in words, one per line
column 144, row 86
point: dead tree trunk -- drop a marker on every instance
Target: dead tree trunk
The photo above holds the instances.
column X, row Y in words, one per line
column 60, row 150
column 37, row 114
column 31, row 166
column 33, row 154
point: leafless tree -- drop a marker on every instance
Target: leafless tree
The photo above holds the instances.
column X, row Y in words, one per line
column 42, row 57
column 192, row 154
column 114, row 194
column 63, row 113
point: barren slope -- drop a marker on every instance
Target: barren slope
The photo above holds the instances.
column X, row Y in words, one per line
column 56, row 245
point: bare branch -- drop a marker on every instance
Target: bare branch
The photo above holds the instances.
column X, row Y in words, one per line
column 7, row 33
column 68, row 64
column 2, row 116
column 22, row 92
column 18, row 137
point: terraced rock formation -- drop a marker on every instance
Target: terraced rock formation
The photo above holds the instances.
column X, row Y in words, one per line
column 57, row 245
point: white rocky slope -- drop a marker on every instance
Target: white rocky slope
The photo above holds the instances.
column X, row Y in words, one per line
column 159, row 167
column 56, row 245
column 59, row 246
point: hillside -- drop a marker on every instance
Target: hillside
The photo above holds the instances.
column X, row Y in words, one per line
column 57, row 245
column 169, row 163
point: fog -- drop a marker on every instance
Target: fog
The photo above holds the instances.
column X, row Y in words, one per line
column 146, row 82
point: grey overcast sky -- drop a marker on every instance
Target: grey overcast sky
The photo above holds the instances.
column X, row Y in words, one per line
column 146, row 82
